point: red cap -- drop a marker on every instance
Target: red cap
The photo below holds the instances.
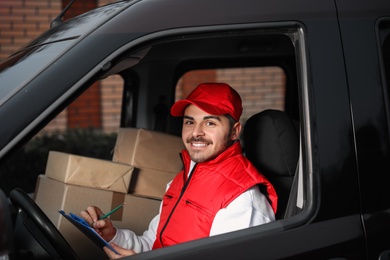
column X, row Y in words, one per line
column 213, row 98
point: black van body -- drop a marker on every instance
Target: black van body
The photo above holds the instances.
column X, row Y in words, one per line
column 336, row 55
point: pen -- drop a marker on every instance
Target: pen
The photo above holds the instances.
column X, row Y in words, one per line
column 112, row 211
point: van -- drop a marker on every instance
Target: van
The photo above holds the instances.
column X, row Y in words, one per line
column 332, row 63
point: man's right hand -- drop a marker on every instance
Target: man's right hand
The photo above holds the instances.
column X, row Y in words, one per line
column 122, row 252
column 103, row 227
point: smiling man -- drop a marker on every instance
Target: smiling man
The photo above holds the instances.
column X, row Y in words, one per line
column 218, row 189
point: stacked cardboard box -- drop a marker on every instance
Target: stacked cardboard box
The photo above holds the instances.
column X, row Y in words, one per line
column 155, row 157
column 143, row 163
column 53, row 195
column 89, row 172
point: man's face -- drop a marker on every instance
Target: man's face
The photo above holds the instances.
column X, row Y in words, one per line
column 206, row 136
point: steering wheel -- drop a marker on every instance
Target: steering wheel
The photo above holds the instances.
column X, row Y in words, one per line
column 31, row 218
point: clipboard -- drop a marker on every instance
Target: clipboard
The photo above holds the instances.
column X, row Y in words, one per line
column 84, row 227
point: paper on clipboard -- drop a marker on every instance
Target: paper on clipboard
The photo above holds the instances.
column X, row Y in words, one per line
column 84, row 227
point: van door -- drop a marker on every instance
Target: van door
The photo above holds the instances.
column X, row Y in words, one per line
column 365, row 32
column 330, row 224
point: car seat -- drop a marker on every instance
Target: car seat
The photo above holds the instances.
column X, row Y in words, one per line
column 271, row 143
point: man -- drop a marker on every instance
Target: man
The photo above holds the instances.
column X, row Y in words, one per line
column 217, row 190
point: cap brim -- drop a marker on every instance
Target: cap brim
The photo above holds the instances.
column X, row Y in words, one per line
column 178, row 108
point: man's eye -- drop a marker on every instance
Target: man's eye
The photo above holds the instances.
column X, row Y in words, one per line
column 209, row 123
column 188, row 122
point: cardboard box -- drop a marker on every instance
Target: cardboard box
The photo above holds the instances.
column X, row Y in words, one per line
column 89, row 172
column 52, row 196
column 148, row 149
column 150, row 183
column 155, row 157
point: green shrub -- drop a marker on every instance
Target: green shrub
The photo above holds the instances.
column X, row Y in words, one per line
column 22, row 168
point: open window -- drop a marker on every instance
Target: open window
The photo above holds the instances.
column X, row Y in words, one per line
column 266, row 66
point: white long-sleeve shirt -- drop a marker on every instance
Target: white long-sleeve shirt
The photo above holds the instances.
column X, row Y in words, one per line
column 249, row 209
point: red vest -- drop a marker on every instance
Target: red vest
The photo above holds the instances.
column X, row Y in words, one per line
column 189, row 206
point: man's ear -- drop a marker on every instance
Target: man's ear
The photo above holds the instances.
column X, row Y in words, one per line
column 236, row 130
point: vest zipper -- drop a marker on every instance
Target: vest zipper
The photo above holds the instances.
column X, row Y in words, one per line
column 174, row 207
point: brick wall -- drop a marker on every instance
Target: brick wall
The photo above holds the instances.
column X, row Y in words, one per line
column 111, row 91
column 259, row 88
column 23, row 20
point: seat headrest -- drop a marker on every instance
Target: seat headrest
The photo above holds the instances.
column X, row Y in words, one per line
column 271, row 141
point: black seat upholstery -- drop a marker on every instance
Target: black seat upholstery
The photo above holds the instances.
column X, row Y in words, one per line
column 271, row 143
